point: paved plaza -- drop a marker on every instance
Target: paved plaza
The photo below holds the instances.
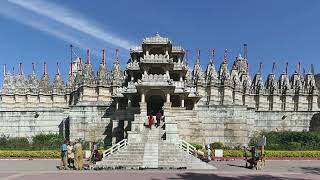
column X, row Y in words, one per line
column 230, row 170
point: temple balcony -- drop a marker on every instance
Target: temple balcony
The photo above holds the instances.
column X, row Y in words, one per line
column 156, row 58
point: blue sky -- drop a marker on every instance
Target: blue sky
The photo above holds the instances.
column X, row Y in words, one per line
column 38, row 31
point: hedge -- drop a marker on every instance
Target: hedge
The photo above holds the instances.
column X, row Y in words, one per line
column 289, row 140
column 30, row 154
column 269, row 153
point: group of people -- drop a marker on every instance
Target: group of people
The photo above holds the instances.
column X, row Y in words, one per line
column 152, row 121
column 72, row 155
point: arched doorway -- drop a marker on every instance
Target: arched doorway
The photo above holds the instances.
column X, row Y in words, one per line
column 155, row 104
column 315, row 123
column 155, row 101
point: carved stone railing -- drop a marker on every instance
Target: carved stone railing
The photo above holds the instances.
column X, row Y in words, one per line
column 155, row 77
column 123, row 143
column 156, row 58
column 156, row 39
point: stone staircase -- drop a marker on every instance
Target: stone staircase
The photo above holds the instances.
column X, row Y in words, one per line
column 153, row 153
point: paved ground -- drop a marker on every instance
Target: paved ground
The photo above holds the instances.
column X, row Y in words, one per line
column 230, row 170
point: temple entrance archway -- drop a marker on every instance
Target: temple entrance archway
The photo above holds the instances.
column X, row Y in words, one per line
column 155, row 101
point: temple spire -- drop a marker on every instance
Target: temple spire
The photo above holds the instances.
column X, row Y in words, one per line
column 88, row 57
column 312, row 69
column 103, row 57
column 225, row 56
column 212, row 59
column 286, row 67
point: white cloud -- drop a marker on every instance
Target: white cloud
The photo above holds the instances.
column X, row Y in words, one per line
column 74, row 20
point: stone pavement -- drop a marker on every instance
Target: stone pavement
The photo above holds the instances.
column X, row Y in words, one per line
column 230, row 170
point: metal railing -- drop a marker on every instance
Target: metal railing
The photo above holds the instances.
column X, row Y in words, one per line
column 123, row 143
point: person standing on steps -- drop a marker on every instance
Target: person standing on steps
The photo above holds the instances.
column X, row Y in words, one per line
column 150, row 120
column 158, row 117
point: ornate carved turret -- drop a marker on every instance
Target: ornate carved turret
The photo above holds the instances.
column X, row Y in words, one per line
column 33, row 82
column 58, row 84
column 7, row 87
column 21, row 82
column 284, row 85
column 310, row 84
column 235, row 79
column 88, row 74
column 45, row 84
column 117, row 74
column 102, row 74
column 295, row 83
column 257, row 85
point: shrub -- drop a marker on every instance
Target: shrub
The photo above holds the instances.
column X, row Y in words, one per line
column 289, row 140
column 197, row 146
column 49, row 141
column 17, row 143
column 216, row 145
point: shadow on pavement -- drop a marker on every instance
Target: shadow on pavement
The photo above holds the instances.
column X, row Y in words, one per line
column 202, row 176
column 311, row 170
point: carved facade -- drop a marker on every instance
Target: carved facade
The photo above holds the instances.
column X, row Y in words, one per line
column 200, row 105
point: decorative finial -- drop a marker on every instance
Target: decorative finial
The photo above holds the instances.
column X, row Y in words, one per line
column 225, row 56
column 245, row 51
column 44, row 68
column 70, row 71
column 117, row 55
column 157, row 34
column 299, row 67
column 58, row 69
column 198, row 58
column 286, row 67
column 312, row 69
column 4, row 70
column 187, row 57
column 33, row 69
column 103, row 56
column 212, row 60
column 273, row 67
column 260, row 68
column 88, row 56
column 20, row 69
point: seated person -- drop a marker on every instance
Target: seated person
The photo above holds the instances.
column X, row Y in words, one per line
column 254, row 156
column 96, row 156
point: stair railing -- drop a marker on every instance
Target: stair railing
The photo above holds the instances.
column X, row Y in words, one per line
column 123, row 143
column 187, row 147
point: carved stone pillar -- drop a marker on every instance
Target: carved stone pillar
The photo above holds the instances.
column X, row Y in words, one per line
column 182, row 101
column 115, row 124
column 117, row 104
column 168, row 97
column 143, row 97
